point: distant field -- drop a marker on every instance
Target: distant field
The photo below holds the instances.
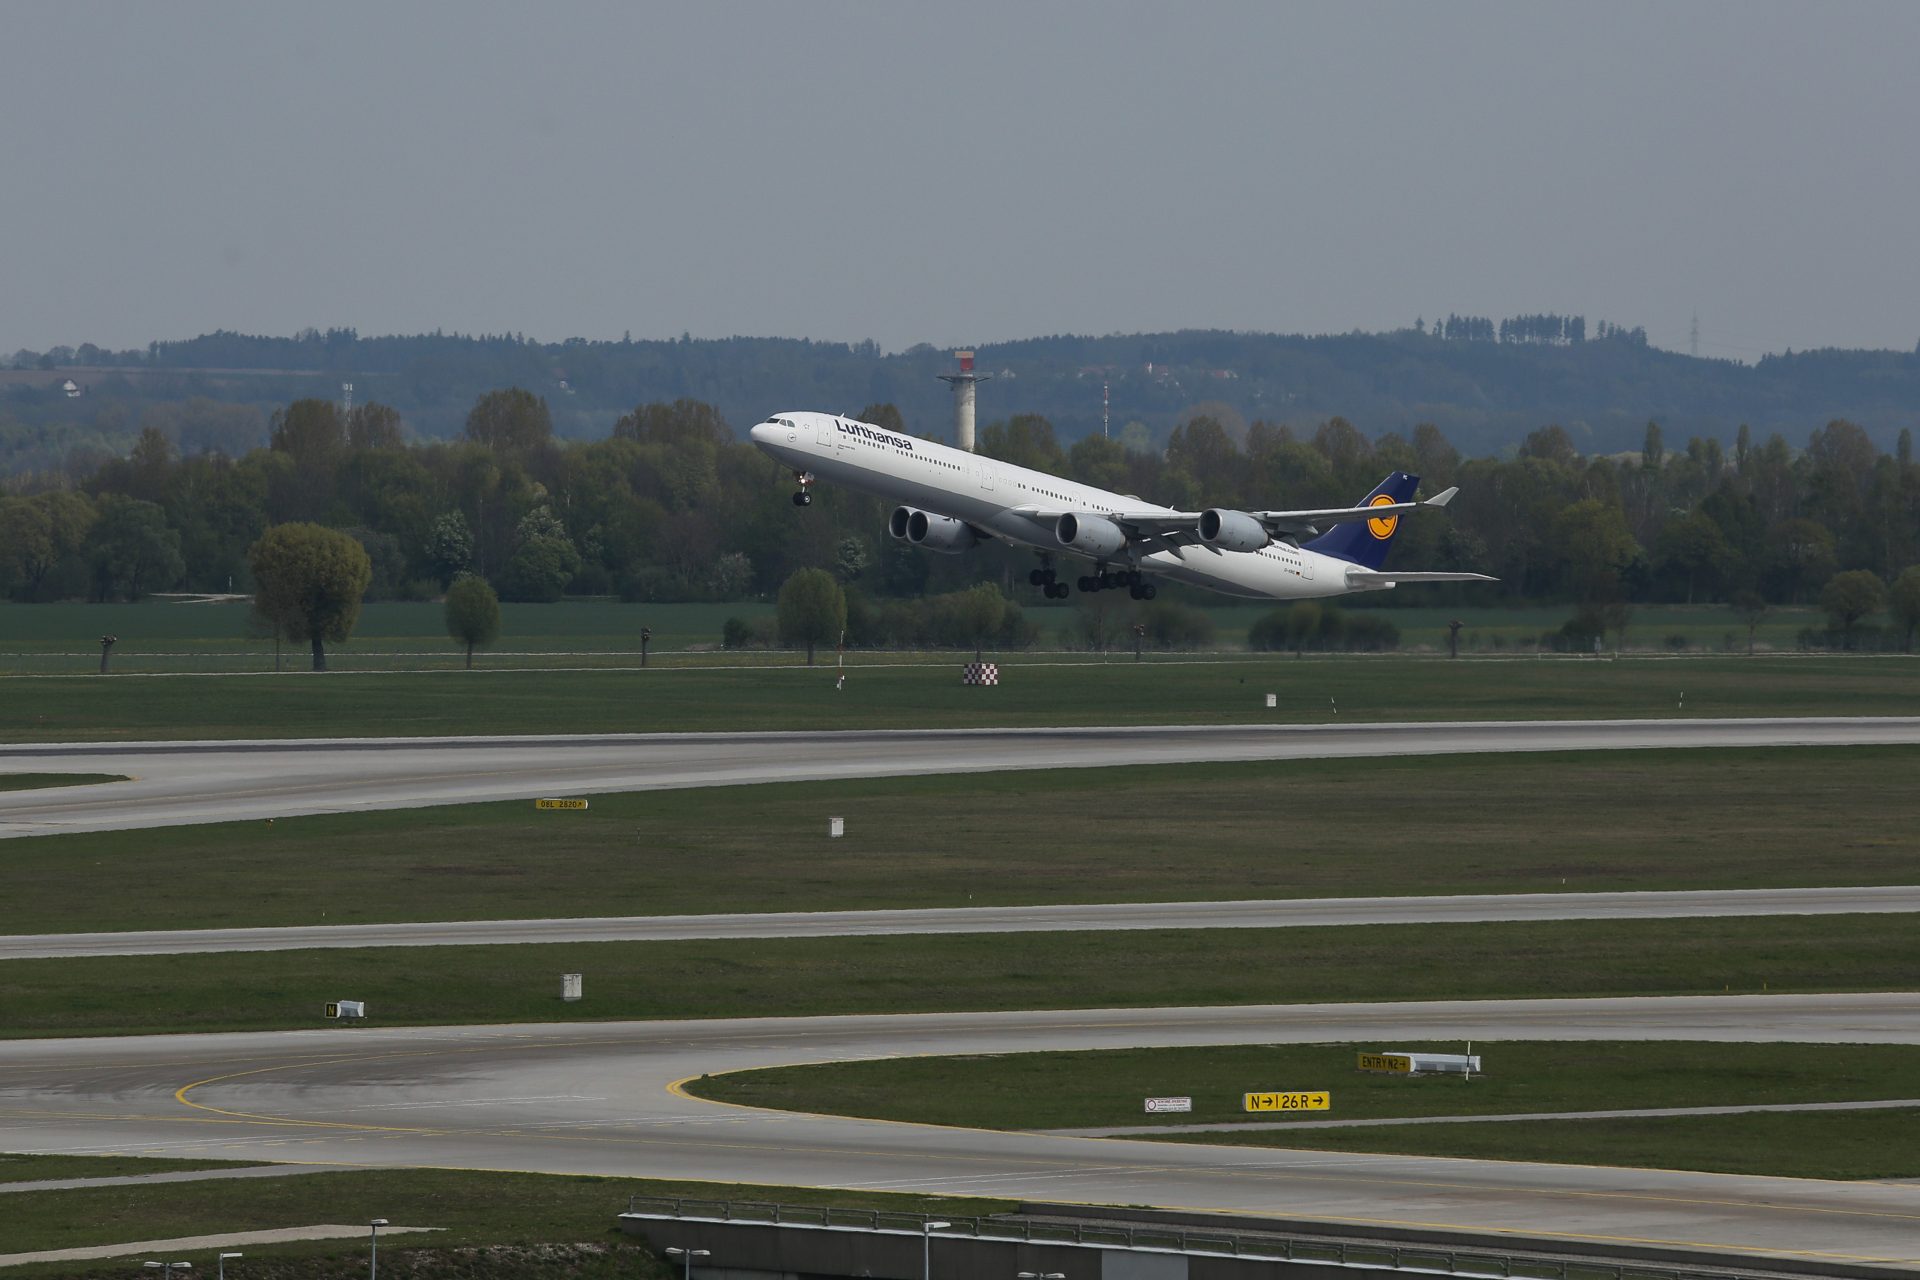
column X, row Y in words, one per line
column 732, row 978
column 1106, row 1089
column 173, row 636
column 1412, row 825
column 1032, row 691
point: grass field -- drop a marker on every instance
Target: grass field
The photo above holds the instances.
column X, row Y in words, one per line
column 471, row 1208
column 1840, row 1145
column 1105, row 1088
column 715, row 979
column 893, row 695
column 168, row 635
column 1617, row 820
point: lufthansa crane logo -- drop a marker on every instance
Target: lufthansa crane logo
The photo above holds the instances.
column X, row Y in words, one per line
column 1382, row 527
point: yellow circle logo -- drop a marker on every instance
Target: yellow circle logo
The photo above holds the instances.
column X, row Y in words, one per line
column 1382, row 527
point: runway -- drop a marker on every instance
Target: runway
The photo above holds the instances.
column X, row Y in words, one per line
column 601, row 1098
column 1062, row 918
column 178, row 783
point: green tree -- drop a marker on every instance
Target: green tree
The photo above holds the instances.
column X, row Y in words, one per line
column 510, row 421
column 1693, row 547
column 473, row 613
column 1750, row 607
column 812, row 610
column 1851, row 596
column 308, row 582
column 374, row 426
column 131, row 549
column 1903, row 603
column 449, row 546
column 310, row 431
column 544, row 562
column 971, row 617
column 1594, row 547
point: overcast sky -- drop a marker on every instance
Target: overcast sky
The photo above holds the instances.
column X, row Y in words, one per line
column 957, row 173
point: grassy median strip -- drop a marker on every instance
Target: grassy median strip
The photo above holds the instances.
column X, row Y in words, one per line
column 1708, row 819
column 30, row 1168
column 1810, row 1144
column 1108, row 1088
column 452, row 985
column 1034, row 690
column 34, row 781
column 472, row 1208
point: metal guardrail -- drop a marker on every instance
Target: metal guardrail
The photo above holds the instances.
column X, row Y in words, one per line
column 1265, row 1247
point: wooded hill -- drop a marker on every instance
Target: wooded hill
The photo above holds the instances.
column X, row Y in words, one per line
column 1485, row 383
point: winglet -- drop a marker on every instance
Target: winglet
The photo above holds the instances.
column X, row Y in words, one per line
column 1442, row 498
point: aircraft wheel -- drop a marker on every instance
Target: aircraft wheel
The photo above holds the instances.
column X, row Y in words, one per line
column 802, row 499
column 1037, row 578
column 1134, row 592
column 1148, row 591
column 1084, row 583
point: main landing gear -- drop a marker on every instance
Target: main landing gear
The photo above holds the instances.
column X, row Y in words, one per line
column 1132, row 579
column 1105, row 580
column 1043, row 578
column 805, row 479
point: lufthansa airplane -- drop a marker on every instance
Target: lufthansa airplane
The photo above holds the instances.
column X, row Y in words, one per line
column 951, row 500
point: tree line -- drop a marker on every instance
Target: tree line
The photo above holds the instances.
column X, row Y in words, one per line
column 674, row 505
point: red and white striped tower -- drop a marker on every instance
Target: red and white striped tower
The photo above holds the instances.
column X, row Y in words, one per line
column 963, row 383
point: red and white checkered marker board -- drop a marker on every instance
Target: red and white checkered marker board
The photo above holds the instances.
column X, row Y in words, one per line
column 981, row 673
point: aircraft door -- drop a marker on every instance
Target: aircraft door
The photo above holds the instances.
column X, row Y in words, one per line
column 824, row 432
column 986, row 476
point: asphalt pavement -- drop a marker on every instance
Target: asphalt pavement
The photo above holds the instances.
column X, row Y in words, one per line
column 1058, row 918
column 187, row 782
column 605, row 1098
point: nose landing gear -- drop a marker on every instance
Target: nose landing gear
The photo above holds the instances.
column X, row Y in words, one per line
column 805, row 480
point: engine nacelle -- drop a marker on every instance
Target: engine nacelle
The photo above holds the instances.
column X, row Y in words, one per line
column 1232, row 530
column 940, row 533
column 897, row 522
column 1094, row 536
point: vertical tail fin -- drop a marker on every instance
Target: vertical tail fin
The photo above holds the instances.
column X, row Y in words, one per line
column 1365, row 542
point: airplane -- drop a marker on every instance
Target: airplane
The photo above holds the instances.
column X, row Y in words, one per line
column 951, row 500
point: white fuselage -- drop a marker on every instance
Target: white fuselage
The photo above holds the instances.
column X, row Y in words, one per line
column 1021, row 505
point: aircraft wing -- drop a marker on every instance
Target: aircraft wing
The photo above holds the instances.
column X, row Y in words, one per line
column 1386, row 577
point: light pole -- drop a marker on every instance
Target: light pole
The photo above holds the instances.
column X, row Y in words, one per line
column 223, row 1263
column 926, row 1246
column 689, row 1255
column 373, row 1256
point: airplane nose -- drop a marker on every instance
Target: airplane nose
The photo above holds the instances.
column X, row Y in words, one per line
column 762, row 433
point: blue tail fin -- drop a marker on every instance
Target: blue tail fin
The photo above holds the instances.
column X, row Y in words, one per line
column 1365, row 542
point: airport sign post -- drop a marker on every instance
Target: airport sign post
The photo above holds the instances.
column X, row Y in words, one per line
column 1398, row 1062
column 1290, row 1100
column 559, row 804
column 1160, row 1106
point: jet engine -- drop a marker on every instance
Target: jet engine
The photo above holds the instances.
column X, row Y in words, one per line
column 1232, row 530
column 1094, row 536
column 898, row 521
column 939, row 533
